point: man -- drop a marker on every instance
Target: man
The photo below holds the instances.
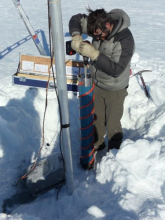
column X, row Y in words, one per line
column 110, row 55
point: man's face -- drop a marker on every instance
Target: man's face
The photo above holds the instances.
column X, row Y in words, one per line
column 102, row 35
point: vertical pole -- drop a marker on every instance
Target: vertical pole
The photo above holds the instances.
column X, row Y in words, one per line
column 59, row 55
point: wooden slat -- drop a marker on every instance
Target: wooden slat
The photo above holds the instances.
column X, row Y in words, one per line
column 28, row 76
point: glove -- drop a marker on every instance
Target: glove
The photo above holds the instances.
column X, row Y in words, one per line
column 76, row 40
column 88, row 50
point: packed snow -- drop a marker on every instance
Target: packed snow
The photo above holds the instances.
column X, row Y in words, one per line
column 128, row 183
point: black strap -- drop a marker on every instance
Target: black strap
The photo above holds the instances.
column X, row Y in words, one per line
column 65, row 126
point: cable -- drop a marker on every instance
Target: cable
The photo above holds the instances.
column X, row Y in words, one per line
column 43, row 137
column 46, row 104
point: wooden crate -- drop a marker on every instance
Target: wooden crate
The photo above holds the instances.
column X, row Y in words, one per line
column 34, row 71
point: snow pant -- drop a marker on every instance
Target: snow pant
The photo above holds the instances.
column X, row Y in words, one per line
column 108, row 113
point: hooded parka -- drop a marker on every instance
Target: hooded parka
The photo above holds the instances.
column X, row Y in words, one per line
column 111, row 70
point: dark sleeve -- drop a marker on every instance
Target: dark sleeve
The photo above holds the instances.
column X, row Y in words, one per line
column 78, row 24
column 121, row 56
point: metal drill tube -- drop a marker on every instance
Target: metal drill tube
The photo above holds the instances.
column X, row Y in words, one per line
column 58, row 46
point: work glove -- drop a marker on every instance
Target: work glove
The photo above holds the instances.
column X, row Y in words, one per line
column 88, row 50
column 76, row 40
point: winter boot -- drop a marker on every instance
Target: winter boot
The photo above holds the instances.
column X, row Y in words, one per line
column 115, row 141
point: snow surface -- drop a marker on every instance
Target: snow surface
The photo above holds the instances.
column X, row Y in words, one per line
column 127, row 184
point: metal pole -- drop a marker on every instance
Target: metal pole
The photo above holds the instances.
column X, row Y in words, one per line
column 59, row 55
column 29, row 27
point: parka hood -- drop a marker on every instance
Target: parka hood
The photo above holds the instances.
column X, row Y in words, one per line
column 117, row 14
column 122, row 19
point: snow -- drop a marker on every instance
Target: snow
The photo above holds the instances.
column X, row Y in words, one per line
column 128, row 183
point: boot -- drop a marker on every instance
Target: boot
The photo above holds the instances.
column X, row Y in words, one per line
column 115, row 141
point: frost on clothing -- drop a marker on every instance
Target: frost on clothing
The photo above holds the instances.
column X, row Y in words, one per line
column 111, row 70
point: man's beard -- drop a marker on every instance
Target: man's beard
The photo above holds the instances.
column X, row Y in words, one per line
column 108, row 32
